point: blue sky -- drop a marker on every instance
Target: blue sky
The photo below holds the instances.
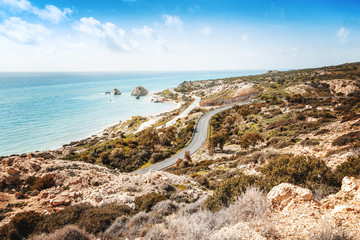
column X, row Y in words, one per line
column 131, row 35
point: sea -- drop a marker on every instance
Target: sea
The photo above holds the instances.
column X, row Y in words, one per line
column 43, row 111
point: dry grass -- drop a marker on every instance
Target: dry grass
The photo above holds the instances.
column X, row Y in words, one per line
column 250, row 207
column 166, row 208
column 328, row 232
column 69, row 232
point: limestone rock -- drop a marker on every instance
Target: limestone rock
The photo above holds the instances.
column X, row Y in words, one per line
column 60, row 201
column 286, row 194
column 139, row 91
column 350, row 184
column 116, row 91
column 67, row 151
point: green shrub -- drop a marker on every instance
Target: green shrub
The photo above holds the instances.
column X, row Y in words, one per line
column 104, row 158
column 196, row 167
column 350, row 168
column 69, row 215
column 23, row 224
column 157, row 157
column 250, row 139
column 98, row 219
column 297, row 98
column 146, row 202
column 226, row 193
column 202, row 180
column 347, row 138
column 303, row 171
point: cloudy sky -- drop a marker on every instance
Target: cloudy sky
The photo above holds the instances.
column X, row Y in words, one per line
column 130, row 35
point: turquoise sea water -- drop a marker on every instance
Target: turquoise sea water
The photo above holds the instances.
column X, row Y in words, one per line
column 42, row 111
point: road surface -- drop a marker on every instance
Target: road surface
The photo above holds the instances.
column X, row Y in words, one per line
column 196, row 143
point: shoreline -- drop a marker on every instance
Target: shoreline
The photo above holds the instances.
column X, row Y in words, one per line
column 41, row 142
column 100, row 133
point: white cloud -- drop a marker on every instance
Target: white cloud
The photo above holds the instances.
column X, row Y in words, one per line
column 343, row 34
column 113, row 36
column 18, row 4
column 50, row 12
column 244, row 37
column 172, row 20
column 145, row 31
column 20, row 31
column 206, row 30
column 90, row 26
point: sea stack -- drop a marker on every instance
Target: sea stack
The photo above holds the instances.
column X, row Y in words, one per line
column 139, row 91
column 117, row 91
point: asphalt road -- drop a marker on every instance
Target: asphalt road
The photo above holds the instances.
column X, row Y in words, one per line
column 196, row 143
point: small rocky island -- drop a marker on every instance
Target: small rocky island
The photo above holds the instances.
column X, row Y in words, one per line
column 116, row 91
column 139, row 91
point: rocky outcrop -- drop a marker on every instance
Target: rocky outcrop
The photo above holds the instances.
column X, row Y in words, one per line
column 298, row 215
column 79, row 182
column 116, row 91
column 286, row 194
column 139, row 91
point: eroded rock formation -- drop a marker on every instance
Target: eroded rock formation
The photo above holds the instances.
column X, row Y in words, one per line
column 139, row 91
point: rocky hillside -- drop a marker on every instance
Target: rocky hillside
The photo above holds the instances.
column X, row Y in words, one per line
column 284, row 166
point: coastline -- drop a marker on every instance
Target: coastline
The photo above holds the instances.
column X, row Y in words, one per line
column 101, row 133
column 42, row 122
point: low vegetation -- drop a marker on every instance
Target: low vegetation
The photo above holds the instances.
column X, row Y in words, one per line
column 294, row 110
column 129, row 153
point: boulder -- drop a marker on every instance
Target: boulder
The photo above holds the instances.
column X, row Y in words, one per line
column 286, row 194
column 117, row 91
column 350, row 185
column 139, row 91
column 60, row 201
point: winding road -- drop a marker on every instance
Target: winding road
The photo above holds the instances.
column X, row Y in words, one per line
column 198, row 140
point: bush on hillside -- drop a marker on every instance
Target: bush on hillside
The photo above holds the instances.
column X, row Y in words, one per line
column 146, row 202
column 349, row 168
column 21, row 225
column 347, row 138
column 303, row 171
column 67, row 216
column 227, row 192
column 250, row 139
column 98, row 219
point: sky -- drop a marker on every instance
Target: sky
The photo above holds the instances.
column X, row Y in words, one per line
column 176, row 35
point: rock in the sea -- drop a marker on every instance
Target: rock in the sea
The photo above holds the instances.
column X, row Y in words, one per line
column 117, row 91
column 139, row 91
